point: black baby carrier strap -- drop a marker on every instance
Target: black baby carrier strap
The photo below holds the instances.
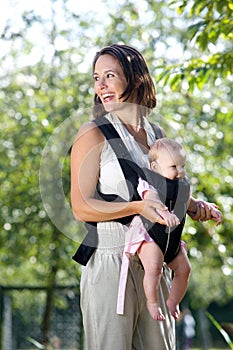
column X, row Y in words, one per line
column 131, row 173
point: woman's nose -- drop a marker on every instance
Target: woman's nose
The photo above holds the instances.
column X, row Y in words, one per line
column 101, row 83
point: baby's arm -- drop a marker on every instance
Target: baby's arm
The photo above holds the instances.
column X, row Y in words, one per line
column 148, row 192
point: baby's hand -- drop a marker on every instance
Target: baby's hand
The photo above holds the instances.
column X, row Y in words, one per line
column 212, row 213
column 170, row 218
column 216, row 214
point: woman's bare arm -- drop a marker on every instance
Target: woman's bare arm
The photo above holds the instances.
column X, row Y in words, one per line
column 85, row 166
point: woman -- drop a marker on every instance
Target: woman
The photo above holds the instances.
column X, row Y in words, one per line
column 125, row 93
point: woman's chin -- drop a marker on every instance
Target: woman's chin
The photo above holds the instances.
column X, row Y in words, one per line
column 116, row 106
column 111, row 106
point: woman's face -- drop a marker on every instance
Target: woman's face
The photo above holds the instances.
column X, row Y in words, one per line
column 109, row 81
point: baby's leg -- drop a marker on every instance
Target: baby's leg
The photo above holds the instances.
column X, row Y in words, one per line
column 152, row 260
column 181, row 267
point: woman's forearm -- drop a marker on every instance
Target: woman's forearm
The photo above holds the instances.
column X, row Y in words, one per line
column 97, row 210
column 192, row 208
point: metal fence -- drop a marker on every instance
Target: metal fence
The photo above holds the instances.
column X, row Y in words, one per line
column 21, row 315
column 22, row 310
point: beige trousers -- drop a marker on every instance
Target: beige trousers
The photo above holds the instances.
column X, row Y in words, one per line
column 135, row 330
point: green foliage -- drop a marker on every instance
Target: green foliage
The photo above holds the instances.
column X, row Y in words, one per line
column 198, row 110
column 35, row 343
column 211, row 34
column 194, row 93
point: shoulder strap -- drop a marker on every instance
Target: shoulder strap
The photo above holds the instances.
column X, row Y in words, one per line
column 128, row 166
column 113, row 137
column 159, row 133
column 115, row 140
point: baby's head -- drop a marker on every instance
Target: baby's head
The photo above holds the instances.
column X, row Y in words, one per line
column 167, row 157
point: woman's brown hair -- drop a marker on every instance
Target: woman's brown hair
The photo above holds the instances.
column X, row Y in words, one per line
column 136, row 73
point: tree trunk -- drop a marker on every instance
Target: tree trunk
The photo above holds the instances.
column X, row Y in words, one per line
column 46, row 323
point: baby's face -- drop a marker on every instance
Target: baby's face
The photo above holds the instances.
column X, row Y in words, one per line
column 171, row 166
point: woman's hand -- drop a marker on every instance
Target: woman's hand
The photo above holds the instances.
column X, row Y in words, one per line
column 149, row 209
column 170, row 218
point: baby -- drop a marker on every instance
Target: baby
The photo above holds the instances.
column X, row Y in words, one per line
column 167, row 160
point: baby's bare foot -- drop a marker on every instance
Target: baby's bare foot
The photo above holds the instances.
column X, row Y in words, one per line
column 155, row 312
column 174, row 309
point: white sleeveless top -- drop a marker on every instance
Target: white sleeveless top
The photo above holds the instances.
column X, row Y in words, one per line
column 112, row 181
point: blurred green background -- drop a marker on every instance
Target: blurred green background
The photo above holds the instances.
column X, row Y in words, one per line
column 46, row 93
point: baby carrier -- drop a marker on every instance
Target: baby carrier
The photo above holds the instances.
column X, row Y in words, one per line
column 173, row 193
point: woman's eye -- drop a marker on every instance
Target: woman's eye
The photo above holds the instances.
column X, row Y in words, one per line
column 110, row 75
column 96, row 78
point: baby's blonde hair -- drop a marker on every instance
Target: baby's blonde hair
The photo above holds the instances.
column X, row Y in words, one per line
column 167, row 144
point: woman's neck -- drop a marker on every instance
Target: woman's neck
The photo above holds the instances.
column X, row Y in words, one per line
column 129, row 114
column 135, row 128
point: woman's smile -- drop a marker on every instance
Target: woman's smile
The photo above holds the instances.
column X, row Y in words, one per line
column 107, row 97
